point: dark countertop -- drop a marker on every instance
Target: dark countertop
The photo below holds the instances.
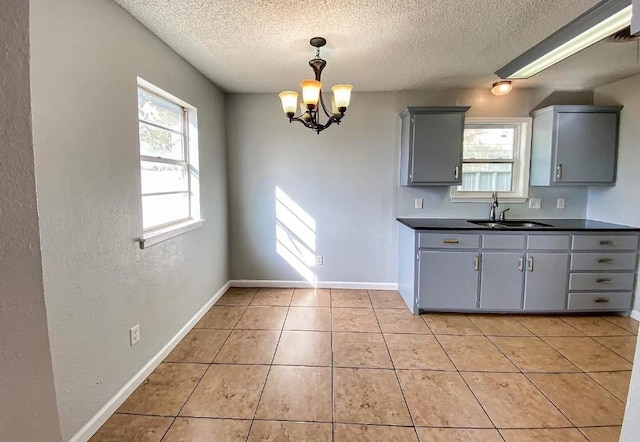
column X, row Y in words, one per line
column 556, row 225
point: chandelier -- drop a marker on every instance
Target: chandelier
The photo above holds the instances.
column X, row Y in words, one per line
column 312, row 103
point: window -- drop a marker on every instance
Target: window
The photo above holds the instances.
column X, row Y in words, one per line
column 495, row 158
column 168, row 160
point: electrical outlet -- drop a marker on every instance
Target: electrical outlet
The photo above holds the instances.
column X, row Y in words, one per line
column 418, row 203
column 134, row 334
column 319, row 260
column 535, row 203
column 560, row 204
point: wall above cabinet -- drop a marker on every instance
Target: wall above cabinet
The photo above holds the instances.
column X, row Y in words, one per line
column 431, row 146
column 575, row 145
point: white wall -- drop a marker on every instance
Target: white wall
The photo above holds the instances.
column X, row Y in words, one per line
column 86, row 55
column 346, row 179
column 28, row 404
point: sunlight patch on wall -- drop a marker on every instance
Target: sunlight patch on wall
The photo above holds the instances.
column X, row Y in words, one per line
column 295, row 235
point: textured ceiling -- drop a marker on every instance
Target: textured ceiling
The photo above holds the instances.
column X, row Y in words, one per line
column 377, row 45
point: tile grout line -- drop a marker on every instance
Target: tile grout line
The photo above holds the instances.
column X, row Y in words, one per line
column 269, row 370
column 204, row 373
column 469, row 387
column 395, row 372
column 527, row 377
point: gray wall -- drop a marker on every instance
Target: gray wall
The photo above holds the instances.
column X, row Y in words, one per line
column 86, row 55
column 346, row 179
column 28, row 405
column 621, row 204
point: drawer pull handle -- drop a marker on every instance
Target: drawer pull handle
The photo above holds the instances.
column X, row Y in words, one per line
column 601, row 300
column 530, row 264
column 607, row 242
column 451, row 241
column 476, row 264
column 456, row 173
column 605, row 261
column 604, row 280
column 521, row 264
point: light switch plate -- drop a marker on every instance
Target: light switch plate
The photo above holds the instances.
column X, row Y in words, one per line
column 418, row 203
column 560, row 204
column 535, row 203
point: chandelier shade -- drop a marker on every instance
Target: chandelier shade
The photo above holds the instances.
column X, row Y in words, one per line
column 312, row 104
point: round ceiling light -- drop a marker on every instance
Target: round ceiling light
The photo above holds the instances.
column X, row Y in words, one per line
column 501, row 87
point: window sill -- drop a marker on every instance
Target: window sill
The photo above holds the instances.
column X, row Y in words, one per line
column 149, row 239
column 483, row 199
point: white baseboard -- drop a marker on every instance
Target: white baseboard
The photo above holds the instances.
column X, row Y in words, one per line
column 318, row 284
column 105, row 412
column 635, row 314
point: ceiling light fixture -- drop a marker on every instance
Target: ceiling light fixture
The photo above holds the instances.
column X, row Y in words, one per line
column 501, row 87
column 312, row 101
column 604, row 19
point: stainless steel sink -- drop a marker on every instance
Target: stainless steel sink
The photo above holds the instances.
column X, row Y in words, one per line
column 516, row 223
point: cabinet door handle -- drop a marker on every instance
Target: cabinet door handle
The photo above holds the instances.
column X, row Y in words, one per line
column 559, row 172
column 476, row 264
column 521, row 264
column 606, row 261
column 607, row 242
column 604, row 280
column 530, row 264
column 601, row 300
column 456, row 172
column 451, row 241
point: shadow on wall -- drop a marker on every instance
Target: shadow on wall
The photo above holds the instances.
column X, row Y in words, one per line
column 295, row 236
column 566, row 97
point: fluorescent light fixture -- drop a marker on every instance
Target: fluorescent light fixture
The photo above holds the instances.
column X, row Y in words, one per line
column 599, row 22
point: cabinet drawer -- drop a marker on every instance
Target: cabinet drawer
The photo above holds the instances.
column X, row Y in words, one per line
column 603, row 261
column 600, row 301
column 504, row 242
column 605, row 242
column 448, row 241
column 548, row 242
column 601, row 281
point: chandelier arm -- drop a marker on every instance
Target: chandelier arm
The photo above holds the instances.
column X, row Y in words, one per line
column 324, row 108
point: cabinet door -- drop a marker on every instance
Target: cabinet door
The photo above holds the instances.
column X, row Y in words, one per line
column 586, row 145
column 546, row 279
column 448, row 280
column 501, row 281
column 437, row 148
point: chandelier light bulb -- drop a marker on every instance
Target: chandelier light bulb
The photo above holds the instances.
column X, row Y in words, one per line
column 342, row 95
column 289, row 101
column 310, row 92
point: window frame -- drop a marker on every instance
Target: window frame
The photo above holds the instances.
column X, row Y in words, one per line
column 189, row 133
column 521, row 161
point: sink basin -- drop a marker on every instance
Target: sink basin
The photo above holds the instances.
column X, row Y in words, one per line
column 516, row 223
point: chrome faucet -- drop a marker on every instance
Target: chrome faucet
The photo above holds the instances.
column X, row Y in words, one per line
column 494, row 204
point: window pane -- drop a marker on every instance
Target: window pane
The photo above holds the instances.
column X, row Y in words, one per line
column 164, row 209
column 489, row 143
column 161, row 177
column 158, row 111
column 483, row 177
column 156, row 142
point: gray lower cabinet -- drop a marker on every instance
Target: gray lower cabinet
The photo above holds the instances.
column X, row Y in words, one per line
column 531, row 272
column 448, row 280
column 502, row 281
column 545, row 287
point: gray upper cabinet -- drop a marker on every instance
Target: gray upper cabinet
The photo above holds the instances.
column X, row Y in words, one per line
column 574, row 145
column 431, row 146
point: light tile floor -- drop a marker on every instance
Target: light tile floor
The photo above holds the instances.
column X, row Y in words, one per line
column 355, row 365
